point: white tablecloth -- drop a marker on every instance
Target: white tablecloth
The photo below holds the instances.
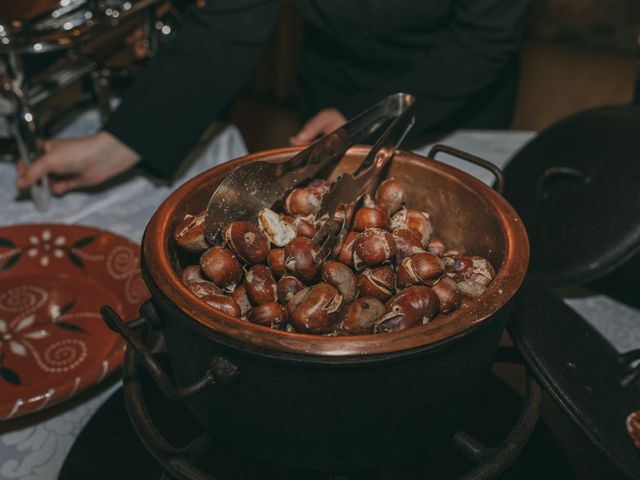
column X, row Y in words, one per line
column 38, row 452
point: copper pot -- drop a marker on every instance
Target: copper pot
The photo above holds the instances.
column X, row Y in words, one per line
column 336, row 402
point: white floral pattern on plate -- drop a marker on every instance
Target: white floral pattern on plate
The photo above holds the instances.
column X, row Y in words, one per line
column 46, row 247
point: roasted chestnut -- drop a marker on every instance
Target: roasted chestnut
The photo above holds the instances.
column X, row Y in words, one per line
column 482, row 271
column 247, row 241
column 416, row 221
column 360, row 316
column 203, row 288
column 299, row 258
column 306, row 201
column 260, row 285
column 391, row 248
column 271, row 314
column 192, row 273
column 448, row 293
column 378, row 283
column 341, row 277
column 390, row 196
column 407, row 243
column 189, row 233
column 373, row 247
column 346, row 251
column 223, row 304
column 422, row 267
column 240, row 296
column 633, row 427
column 476, row 269
column 287, row 287
column 315, row 309
column 278, row 231
column 436, row 247
column 371, row 218
column 411, row 307
column 305, row 227
column 275, row 260
column 221, row 267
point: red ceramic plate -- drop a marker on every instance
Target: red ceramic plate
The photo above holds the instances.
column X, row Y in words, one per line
column 53, row 281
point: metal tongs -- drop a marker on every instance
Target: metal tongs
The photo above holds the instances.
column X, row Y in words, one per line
column 257, row 185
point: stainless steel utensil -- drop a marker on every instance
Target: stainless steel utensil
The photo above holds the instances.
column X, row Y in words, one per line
column 260, row 184
column 337, row 204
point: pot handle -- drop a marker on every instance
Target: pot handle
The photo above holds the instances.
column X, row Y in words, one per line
column 173, row 460
column 220, row 370
column 493, row 461
column 499, row 186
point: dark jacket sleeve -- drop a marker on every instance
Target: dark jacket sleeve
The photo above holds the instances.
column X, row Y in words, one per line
column 187, row 85
column 471, row 54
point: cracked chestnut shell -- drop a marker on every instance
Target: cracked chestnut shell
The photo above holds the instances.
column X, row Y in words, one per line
column 189, row 233
column 278, row 231
column 247, row 241
column 299, row 257
column 359, row 317
column 373, row 247
column 315, row 309
column 221, row 267
column 287, row 287
column 271, row 314
column 413, row 306
column 341, row 277
column 378, row 283
column 470, row 290
column 306, row 201
column 474, row 268
column 390, row 196
column 260, row 285
column 416, row 221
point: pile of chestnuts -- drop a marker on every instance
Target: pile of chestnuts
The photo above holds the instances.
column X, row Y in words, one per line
column 388, row 273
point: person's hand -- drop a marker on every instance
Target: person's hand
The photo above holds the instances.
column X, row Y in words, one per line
column 78, row 163
column 325, row 121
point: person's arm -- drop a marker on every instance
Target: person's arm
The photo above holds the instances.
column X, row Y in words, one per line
column 470, row 55
column 179, row 94
column 191, row 80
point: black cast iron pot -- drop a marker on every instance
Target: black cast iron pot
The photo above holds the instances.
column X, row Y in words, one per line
column 334, row 403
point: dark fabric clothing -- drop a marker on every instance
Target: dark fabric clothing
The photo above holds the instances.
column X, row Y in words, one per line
column 458, row 57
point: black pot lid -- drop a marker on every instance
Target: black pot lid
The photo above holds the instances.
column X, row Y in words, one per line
column 576, row 186
column 594, row 385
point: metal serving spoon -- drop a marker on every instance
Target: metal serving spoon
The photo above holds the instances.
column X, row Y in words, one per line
column 257, row 185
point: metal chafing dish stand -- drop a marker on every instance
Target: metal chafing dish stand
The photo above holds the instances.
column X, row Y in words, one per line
column 74, row 32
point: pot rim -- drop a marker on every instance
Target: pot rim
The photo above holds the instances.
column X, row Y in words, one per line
column 509, row 277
